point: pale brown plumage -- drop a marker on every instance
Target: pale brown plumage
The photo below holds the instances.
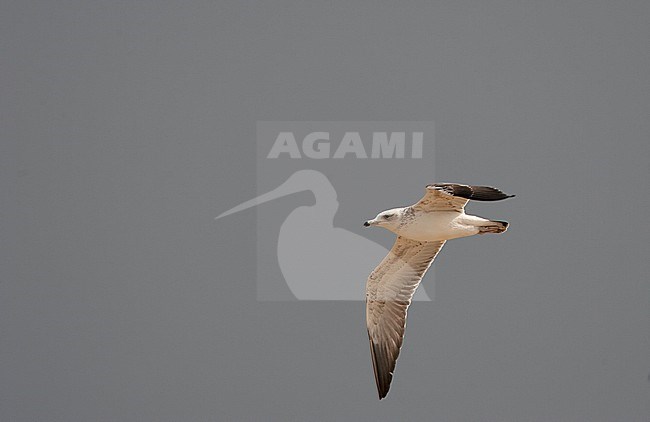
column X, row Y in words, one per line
column 389, row 290
column 390, row 287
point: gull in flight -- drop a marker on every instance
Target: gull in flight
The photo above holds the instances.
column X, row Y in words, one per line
column 422, row 229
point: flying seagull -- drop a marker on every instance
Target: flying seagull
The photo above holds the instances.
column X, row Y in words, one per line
column 422, row 229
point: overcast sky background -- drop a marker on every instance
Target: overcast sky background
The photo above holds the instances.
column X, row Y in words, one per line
column 126, row 127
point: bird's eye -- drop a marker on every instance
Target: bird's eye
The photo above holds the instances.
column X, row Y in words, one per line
column 387, row 216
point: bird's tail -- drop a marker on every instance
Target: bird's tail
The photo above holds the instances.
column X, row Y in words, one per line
column 494, row 227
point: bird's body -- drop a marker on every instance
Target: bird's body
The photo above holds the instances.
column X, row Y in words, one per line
column 422, row 230
column 441, row 225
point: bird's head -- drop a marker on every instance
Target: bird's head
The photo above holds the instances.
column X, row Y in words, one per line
column 388, row 219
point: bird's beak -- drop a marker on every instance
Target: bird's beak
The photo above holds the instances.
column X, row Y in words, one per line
column 369, row 223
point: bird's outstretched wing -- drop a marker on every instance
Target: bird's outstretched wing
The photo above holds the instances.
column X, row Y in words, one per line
column 389, row 290
column 454, row 196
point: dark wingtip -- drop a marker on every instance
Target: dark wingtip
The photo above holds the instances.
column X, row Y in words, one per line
column 487, row 193
column 382, row 379
column 383, row 391
column 476, row 193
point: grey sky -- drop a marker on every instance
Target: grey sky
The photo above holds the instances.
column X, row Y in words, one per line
column 126, row 127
